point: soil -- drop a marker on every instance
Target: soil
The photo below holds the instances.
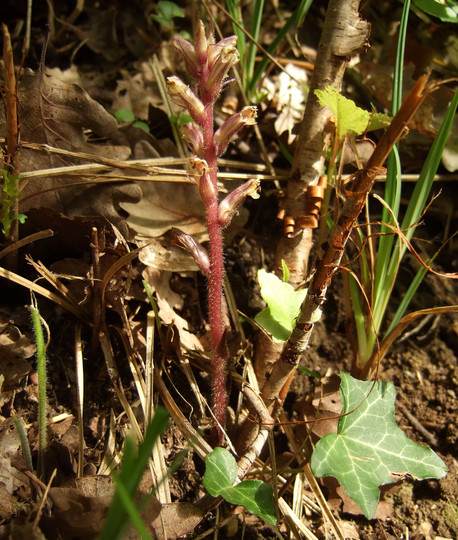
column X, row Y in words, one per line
column 423, row 364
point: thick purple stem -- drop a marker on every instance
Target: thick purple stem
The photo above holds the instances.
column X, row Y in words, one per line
column 215, row 279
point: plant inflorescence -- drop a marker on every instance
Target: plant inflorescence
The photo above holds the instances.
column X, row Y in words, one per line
column 208, row 63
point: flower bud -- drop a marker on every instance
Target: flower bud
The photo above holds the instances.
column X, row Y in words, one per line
column 188, row 52
column 232, row 126
column 177, row 88
column 192, row 135
column 226, row 57
column 208, row 191
column 198, row 252
column 199, row 170
column 214, row 50
column 228, row 206
column 201, row 44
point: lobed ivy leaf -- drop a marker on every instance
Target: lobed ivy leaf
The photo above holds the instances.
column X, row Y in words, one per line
column 369, row 449
column 283, row 305
column 220, row 474
column 349, row 117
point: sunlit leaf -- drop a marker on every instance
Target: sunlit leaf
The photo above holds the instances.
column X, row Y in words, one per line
column 369, row 449
column 220, row 474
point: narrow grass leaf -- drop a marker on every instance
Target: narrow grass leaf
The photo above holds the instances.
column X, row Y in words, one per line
column 133, row 465
column 295, row 20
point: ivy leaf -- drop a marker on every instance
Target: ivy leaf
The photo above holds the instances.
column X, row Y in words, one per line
column 349, row 117
column 283, row 305
column 369, row 449
column 220, row 474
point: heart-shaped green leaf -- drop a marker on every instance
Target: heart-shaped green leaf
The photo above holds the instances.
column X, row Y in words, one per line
column 220, row 474
column 283, row 305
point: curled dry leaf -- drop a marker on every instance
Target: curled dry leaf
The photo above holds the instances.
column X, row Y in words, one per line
column 15, row 348
column 11, row 479
column 168, row 301
column 56, row 113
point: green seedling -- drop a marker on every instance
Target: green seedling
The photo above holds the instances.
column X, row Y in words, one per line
column 123, row 510
column 126, row 116
column 42, row 382
column 219, row 478
column 10, row 194
column 283, row 304
column 445, row 11
column 369, row 449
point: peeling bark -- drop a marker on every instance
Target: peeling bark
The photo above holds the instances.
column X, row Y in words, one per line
column 344, row 35
column 331, row 252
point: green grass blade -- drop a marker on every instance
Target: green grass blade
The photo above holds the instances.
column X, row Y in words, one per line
column 407, row 298
column 42, row 382
column 383, row 282
column 295, row 20
column 131, row 472
column 393, row 178
column 256, row 20
column 425, row 181
column 233, row 6
column 131, row 509
column 418, row 201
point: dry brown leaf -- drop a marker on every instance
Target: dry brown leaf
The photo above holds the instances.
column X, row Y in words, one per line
column 167, row 302
column 11, row 479
column 57, row 113
column 177, row 519
column 80, row 507
column 165, row 205
column 139, row 91
column 15, row 348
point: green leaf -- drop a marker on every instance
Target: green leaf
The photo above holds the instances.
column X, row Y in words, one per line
column 124, row 116
column 167, row 11
column 285, row 269
column 369, row 449
column 283, row 305
column 349, row 117
column 20, row 217
column 378, row 121
column 220, row 474
column 141, row 125
column 220, row 471
column 446, row 12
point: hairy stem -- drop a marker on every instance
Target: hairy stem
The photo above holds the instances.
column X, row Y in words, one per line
column 215, row 280
column 41, row 370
